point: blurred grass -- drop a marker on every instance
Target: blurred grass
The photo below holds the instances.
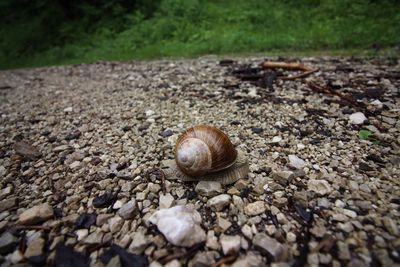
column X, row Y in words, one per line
column 188, row 28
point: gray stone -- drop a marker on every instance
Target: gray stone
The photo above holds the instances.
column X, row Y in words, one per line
column 180, row 225
column 255, row 208
column 283, row 177
column 166, row 201
column 35, row 247
column 357, row 118
column 115, row 224
column 230, row 244
column 296, row 162
column 8, row 203
column 7, row 242
column 270, row 246
column 36, row 214
column 208, row 188
column 139, row 243
column 217, row 203
column 128, row 210
column 321, row 187
column 5, row 192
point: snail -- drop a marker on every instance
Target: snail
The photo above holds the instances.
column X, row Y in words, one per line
column 204, row 152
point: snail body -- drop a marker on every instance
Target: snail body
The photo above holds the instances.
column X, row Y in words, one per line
column 204, row 149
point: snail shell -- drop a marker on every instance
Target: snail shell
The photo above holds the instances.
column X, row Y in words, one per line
column 204, row 149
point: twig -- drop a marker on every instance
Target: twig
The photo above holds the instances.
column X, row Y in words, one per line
column 300, row 75
column 323, row 89
column 284, row 65
column 32, row 227
column 183, row 254
column 289, row 66
column 226, row 259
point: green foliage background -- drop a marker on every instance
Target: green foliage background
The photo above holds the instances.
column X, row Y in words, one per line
column 47, row 32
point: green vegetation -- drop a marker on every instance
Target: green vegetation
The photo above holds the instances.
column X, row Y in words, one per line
column 47, row 32
column 365, row 134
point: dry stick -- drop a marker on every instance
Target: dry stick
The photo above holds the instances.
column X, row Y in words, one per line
column 182, row 254
column 300, row 75
column 226, row 259
column 289, row 66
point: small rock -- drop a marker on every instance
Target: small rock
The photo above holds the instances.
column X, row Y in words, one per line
column 296, row 162
column 357, row 118
column 94, row 238
column 321, row 187
column 212, row 241
column 247, row 232
column 255, row 208
column 8, row 203
column 276, row 139
column 81, row 234
column 26, row 150
column 344, row 252
column 180, row 225
column 217, row 203
column 115, row 224
column 270, row 246
column 230, row 244
column 34, row 248
column 5, row 192
column 128, row 210
column 139, row 243
column 166, row 201
column 223, row 224
column 391, row 226
column 283, row 177
column 36, row 214
column 208, row 188
column 257, row 130
column 166, row 133
column 60, row 148
column 7, row 242
column 173, row 263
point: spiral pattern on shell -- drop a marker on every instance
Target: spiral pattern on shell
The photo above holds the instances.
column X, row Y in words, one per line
column 204, row 149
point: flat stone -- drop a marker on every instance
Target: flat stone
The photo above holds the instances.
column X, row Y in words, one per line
column 128, row 210
column 296, row 162
column 357, row 118
column 36, row 214
column 35, row 247
column 139, row 243
column 8, row 203
column 115, row 224
column 270, row 246
column 7, row 242
column 5, row 192
column 81, row 234
column 283, row 177
column 321, row 187
column 180, row 225
column 94, row 238
column 166, row 201
column 390, row 225
column 217, row 203
column 223, row 224
column 230, row 244
column 255, row 208
column 208, row 188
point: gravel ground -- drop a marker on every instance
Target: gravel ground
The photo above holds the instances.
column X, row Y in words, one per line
column 81, row 149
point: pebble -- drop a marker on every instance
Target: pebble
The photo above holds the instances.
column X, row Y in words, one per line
column 390, row 225
column 7, row 242
column 321, row 187
column 180, row 225
column 217, row 203
column 5, row 192
column 81, row 234
column 139, row 243
column 208, row 188
column 255, row 208
column 8, row 203
column 357, row 118
column 115, row 224
column 34, row 247
column 230, row 244
column 128, row 210
column 283, row 177
column 36, row 214
column 270, row 246
column 296, row 162
column 166, row 201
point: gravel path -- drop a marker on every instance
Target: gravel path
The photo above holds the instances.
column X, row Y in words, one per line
column 81, row 149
